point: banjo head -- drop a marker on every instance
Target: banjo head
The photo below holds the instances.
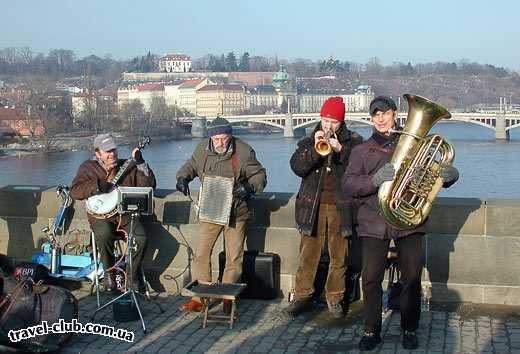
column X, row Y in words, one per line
column 102, row 205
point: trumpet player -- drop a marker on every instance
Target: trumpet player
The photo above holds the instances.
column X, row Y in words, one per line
column 323, row 215
column 369, row 167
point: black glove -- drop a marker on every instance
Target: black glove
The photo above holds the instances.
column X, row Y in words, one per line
column 449, row 174
column 385, row 173
column 138, row 157
column 104, row 186
column 243, row 190
column 182, row 186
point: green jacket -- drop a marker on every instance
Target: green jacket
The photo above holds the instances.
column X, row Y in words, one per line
column 205, row 161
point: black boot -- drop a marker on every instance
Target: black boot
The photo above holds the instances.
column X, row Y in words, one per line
column 410, row 341
column 139, row 284
column 369, row 341
column 298, row 306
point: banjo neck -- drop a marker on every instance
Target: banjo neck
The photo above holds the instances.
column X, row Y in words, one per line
column 124, row 167
column 122, row 171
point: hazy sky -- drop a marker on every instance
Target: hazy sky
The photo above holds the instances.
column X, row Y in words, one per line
column 484, row 31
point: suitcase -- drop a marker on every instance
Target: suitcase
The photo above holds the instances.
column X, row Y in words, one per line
column 261, row 273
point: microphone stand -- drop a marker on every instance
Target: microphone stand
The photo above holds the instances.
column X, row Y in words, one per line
column 131, row 292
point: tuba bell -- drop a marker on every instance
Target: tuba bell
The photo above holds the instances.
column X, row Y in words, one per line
column 406, row 201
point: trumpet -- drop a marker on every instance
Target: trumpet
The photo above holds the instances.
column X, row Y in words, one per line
column 322, row 145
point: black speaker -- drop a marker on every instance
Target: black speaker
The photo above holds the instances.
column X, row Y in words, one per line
column 261, row 273
column 124, row 310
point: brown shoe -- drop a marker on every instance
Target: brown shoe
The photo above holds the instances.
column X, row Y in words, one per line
column 192, row 306
column 227, row 305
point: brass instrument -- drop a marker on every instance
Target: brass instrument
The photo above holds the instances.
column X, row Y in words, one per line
column 406, row 201
column 322, row 145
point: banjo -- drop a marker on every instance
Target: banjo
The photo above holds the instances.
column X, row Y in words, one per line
column 104, row 206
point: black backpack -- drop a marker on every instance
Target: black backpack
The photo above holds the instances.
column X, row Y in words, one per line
column 25, row 304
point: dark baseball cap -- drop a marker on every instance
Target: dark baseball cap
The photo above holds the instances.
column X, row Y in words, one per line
column 381, row 103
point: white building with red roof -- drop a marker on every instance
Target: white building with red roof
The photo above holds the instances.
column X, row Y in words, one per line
column 175, row 63
column 144, row 93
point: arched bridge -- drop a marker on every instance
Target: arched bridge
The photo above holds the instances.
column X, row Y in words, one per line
column 499, row 122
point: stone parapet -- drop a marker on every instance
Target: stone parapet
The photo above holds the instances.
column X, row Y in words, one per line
column 471, row 253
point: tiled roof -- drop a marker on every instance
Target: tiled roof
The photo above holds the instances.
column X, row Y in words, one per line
column 190, row 83
column 176, row 57
column 12, row 114
column 263, row 89
column 227, row 87
column 154, row 86
column 108, row 91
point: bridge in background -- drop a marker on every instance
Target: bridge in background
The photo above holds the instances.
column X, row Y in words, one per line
column 292, row 124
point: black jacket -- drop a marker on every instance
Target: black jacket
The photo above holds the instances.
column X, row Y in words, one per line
column 311, row 167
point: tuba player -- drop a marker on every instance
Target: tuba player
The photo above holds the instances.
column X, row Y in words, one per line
column 368, row 168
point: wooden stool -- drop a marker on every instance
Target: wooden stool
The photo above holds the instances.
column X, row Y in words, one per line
column 215, row 291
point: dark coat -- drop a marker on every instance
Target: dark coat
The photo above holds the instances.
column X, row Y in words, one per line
column 205, row 161
column 311, row 167
column 365, row 160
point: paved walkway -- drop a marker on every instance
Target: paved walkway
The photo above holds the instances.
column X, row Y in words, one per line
column 263, row 328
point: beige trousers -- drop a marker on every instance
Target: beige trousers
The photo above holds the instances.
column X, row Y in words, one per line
column 310, row 252
column 234, row 246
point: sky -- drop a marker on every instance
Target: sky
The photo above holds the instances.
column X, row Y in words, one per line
column 420, row 31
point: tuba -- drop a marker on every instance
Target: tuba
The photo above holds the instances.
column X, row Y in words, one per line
column 406, row 201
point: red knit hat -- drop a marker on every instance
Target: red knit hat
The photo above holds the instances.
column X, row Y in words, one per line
column 333, row 108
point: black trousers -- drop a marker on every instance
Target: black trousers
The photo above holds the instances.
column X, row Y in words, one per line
column 105, row 233
column 375, row 253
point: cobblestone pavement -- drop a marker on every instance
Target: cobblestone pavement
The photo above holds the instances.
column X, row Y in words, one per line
column 262, row 327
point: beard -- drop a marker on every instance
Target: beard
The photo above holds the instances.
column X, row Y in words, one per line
column 220, row 149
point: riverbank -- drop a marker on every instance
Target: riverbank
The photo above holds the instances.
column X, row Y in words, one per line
column 83, row 142
column 72, row 144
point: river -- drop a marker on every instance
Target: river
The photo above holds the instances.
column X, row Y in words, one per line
column 488, row 168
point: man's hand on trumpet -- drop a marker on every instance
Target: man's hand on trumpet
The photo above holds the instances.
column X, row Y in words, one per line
column 335, row 144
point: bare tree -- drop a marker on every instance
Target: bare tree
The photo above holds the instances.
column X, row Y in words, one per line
column 26, row 55
column 133, row 114
column 48, row 112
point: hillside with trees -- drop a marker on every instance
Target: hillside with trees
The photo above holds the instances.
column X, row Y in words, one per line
column 462, row 85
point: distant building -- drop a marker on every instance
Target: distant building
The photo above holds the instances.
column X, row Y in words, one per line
column 71, row 89
column 82, row 102
column 175, row 63
column 171, row 93
column 262, row 96
column 144, row 93
column 17, row 121
column 357, row 102
column 221, row 99
column 106, row 98
column 251, row 78
column 187, row 94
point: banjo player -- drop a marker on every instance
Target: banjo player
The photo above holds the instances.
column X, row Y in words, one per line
column 95, row 178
